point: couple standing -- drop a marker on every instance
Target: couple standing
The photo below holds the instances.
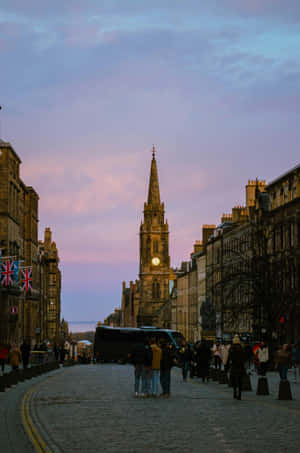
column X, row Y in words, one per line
column 152, row 363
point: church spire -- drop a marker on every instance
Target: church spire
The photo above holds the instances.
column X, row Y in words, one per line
column 153, row 193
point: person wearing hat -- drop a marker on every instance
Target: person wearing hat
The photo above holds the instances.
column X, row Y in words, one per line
column 236, row 364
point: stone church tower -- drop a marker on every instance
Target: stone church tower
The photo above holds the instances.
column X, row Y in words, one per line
column 154, row 254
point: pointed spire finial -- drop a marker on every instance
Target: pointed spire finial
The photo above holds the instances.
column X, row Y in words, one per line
column 153, row 192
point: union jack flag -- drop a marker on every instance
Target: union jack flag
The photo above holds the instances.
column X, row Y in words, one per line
column 7, row 272
column 27, row 278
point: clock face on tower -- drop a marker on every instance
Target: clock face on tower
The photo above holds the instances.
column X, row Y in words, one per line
column 155, row 261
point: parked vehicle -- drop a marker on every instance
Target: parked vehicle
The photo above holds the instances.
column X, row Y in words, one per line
column 113, row 344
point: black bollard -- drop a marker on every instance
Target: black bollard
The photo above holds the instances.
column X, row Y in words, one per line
column 28, row 373
column 246, row 383
column 14, row 377
column 284, row 390
column 223, row 377
column 214, row 374
column 262, row 386
column 6, row 378
column 21, row 375
column 2, row 384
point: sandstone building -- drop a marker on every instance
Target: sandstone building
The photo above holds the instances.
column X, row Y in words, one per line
column 252, row 262
column 21, row 313
column 50, row 286
column 143, row 301
column 154, row 253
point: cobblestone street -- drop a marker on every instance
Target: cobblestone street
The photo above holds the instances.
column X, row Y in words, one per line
column 91, row 408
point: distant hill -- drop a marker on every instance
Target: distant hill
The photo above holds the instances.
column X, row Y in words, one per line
column 77, row 336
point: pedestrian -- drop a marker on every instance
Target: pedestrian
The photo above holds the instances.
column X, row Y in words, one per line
column 282, row 361
column 236, row 363
column 217, row 352
column 147, row 371
column 25, row 351
column 166, row 363
column 249, row 355
column 297, row 362
column 193, row 363
column 137, row 359
column 62, row 353
column 203, row 358
column 156, row 351
column 56, row 351
column 225, row 347
column 3, row 356
column 185, row 357
column 15, row 357
column 263, row 358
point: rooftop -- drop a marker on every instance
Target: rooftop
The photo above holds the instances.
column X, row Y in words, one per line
column 284, row 175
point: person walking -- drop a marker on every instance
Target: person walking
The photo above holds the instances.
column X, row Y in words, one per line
column 156, row 351
column 236, row 364
column 225, row 348
column 62, row 354
column 56, row 352
column 166, row 363
column 297, row 362
column 263, row 358
column 217, row 352
column 185, row 357
column 3, row 356
column 282, row 361
column 15, row 357
column 203, row 358
column 147, row 371
column 25, row 351
column 249, row 356
column 137, row 358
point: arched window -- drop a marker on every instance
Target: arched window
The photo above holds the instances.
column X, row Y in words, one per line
column 155, row 246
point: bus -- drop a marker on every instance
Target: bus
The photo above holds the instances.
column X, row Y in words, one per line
column 113, row 344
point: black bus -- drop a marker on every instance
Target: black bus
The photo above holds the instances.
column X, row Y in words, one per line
column 113, row 344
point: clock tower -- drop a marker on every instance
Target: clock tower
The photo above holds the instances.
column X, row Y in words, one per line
column 154, row 254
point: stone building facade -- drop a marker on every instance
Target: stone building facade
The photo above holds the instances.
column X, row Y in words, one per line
column 146, row 302
column 154, row 273
column 20, row 312
column 252, row 265
column 50, row 286
column 130, row 304
column 282, row 227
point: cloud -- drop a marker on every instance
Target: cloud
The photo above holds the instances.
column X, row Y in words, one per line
column 89, row 86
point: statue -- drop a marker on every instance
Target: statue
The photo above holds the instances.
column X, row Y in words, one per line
column 208, row 315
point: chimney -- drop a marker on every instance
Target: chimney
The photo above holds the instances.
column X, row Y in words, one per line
column 207, row 231
column 48, row 238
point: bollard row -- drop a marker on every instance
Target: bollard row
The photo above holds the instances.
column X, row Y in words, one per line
column 14, row 377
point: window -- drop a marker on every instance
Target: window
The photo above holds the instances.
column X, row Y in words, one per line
column 155, row 246
column 155, row 290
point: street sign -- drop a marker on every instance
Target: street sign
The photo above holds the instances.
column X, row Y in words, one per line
column 13, row 310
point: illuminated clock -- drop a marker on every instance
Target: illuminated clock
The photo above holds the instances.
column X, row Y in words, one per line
column 155, row 261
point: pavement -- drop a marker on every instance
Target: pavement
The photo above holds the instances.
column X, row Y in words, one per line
column 91, row 408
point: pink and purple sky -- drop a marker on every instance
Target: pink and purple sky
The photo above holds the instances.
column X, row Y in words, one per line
column 87, row 86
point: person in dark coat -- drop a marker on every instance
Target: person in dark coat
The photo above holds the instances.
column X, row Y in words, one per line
column 56, row 351
column 62, row 354
column 236, row 364
column 3, row 356
column 25, row 351
column 203, row 358
column 147, row 373
column 166, row 363
column 185, row 357
column 137, row 358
